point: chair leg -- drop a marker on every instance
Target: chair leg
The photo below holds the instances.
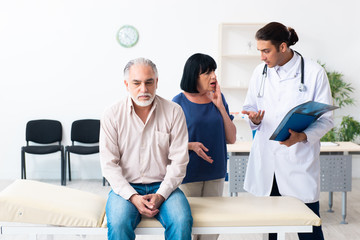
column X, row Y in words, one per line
column 23, row 171
column 64, row 170
column 105, row 181
column 69, row 167
column 63, row 167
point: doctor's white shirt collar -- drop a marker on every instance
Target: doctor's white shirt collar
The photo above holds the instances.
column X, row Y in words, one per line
column 283, row 70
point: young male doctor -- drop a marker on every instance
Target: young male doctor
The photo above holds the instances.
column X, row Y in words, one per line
column 290, row 167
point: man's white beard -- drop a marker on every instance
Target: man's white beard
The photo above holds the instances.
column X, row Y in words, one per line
column 143, row 103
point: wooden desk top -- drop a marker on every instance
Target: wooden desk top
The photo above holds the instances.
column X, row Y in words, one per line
column 244, row 147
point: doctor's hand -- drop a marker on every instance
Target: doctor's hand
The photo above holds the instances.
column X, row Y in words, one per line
column 255, row 117
column 200, row 150
column 295, row 137
column 144, row 206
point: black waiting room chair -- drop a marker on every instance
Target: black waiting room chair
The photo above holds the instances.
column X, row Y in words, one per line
column 45, row 137
column 85, row 140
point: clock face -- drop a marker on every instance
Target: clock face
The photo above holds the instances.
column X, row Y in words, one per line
column 127, row 36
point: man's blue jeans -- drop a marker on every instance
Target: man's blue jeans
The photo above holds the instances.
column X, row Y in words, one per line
column 123, row 217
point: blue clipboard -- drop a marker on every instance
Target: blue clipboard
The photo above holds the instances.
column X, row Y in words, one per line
column 299, row 118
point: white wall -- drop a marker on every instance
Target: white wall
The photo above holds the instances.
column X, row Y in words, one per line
column 59, row 59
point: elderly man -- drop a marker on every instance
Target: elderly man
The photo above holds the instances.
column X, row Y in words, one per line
column 143, row 152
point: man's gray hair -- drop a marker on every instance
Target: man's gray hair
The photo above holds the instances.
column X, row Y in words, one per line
column 139, row 61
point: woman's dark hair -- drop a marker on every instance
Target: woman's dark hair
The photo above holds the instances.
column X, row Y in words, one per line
column 196, row 64
column 277, row 33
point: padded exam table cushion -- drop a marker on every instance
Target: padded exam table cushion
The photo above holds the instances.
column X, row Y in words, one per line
column 34, row 202
column 28, row 201
column 248, row 211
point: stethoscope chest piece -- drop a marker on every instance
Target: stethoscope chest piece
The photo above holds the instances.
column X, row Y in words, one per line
column 302, row 87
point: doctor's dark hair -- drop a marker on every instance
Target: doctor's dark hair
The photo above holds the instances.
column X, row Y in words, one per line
column 277, row 33
column 196, row 64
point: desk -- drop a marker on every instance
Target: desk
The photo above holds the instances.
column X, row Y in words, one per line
column 335, row 163
column 345, row 147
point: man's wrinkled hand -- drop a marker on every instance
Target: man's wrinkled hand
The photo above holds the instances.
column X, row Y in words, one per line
column 144, row 207
column 155, row 200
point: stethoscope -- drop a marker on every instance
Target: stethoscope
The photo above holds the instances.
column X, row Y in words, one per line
column 302, row 87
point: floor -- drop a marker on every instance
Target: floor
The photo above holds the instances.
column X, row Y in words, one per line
column 332, row 228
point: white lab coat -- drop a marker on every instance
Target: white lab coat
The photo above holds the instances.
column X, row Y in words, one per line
column 297, row 168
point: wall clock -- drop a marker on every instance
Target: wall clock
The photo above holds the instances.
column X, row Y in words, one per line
column 127, row 36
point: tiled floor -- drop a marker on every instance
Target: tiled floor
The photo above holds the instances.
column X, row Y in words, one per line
column 332, row 228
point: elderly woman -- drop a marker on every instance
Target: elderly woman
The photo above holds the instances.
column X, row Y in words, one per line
column 210, row 127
